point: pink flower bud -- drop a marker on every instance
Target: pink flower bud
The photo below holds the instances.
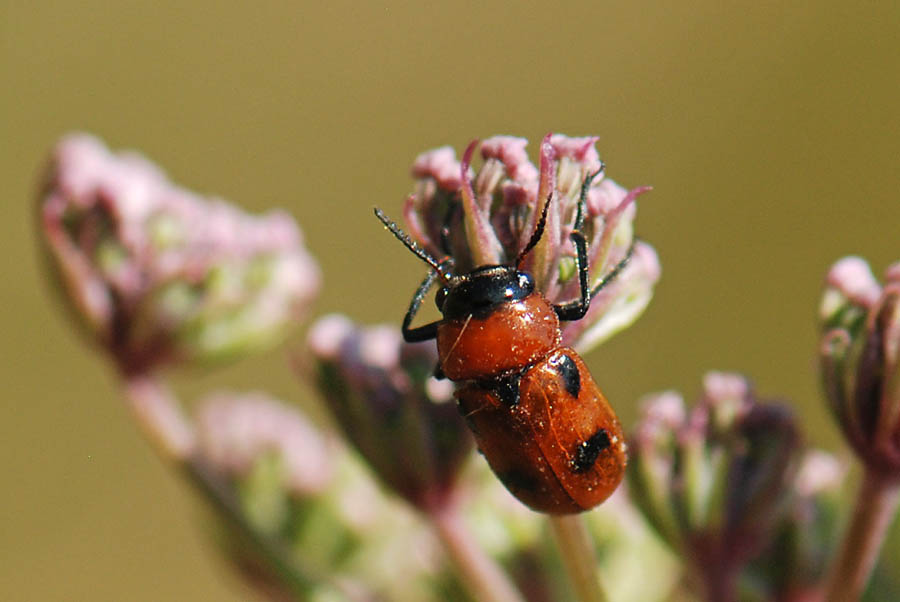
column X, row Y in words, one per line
column 235, row 431
column 159, row 274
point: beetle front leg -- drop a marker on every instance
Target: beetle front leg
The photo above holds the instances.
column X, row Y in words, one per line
column 428, row 331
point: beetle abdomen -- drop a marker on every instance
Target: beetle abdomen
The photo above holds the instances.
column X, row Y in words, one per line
column 559, row 448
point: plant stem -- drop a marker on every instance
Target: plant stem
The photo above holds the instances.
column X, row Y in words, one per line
column 485, row 579
column 719, row 582
column 579, row 556
column 159, row 416
column 876, row 506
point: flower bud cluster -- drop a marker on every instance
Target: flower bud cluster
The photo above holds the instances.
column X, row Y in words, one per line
column 400, row 418
column 312, row 508
column 860, row 360
column 236, row 430
column 488, row 216
column 716, row 480
column 159, row 274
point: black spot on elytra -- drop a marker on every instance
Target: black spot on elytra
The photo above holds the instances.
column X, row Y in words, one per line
column 518, row 480
column 587, row 451
column 507, row 389
column 568, row 372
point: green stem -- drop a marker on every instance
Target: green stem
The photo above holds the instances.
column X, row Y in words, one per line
column 876, row 505
column 485, row 580
column 579, row 556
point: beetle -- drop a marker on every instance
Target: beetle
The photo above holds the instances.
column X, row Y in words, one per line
column 538, row 417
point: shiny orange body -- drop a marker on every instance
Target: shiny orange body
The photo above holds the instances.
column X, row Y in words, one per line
column 513, row 335
column 539, row 418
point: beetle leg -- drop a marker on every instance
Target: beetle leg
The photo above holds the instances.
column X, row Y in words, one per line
column 575, row 310
column 422, row 333
column 428, row 331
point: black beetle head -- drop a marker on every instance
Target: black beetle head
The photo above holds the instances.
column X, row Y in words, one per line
column 483, row 289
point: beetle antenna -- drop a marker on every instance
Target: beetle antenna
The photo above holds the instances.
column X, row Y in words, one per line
column 412, row 245
column 538, row 232
column 582, row 199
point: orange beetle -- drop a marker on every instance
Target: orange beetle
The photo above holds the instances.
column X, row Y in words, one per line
column 538, row 417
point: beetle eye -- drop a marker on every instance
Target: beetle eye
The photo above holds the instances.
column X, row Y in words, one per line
column 440, row 297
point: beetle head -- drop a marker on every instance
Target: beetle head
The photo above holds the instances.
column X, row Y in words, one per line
column 483, row 289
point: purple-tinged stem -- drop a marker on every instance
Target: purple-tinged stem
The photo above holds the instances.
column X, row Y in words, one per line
column 579, row 556
column 485, row 580
column 876, row 505
column 719, row 581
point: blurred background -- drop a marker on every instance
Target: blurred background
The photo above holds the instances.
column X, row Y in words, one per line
column 769, row 131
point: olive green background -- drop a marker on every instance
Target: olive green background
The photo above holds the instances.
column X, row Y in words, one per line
column 769, row 131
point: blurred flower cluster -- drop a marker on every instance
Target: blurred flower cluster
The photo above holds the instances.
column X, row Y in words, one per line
column 720, row 484
column 860, row 365
column 501, row 204
column 159, row 274
column 860, row 358
column 389, row 405
column 322, row 528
